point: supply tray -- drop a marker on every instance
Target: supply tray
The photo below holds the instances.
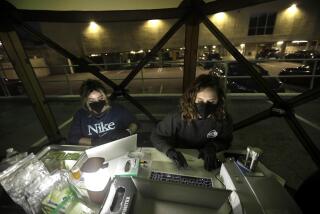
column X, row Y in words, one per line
column 60, row 156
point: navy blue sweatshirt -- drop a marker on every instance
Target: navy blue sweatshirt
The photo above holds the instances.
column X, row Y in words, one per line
column 84, row 124
column 173, row 131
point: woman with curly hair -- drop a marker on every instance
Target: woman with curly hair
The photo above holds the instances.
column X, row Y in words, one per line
column 99, row 121
column 201, row 123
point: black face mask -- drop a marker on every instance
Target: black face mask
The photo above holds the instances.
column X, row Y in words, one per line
column 97, row 106
column 205, row 109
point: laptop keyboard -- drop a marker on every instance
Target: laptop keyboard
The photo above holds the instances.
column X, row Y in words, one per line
column 181, row 179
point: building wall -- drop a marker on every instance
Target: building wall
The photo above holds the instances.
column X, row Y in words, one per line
column 94, row 5
column 302, row 24
column 84, row 39
column 110, row 37
column 39, row 66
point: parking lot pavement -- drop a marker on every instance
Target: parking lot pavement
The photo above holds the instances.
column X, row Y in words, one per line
column 149, row 80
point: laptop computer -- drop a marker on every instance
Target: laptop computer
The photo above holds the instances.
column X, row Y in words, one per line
column 182, row 194
column 114, row 149
column 140, row 195
column 161, row 168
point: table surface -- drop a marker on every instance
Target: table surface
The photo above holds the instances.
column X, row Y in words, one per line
column 254, row 192
column 260, row 192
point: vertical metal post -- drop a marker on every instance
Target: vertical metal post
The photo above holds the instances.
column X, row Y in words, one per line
column 4, row 88
column 226, row 68
column 3, row 85
column 308, row 45
column 161, row 58
column 315, row 64
column 69, row 86
column 142, row 79
column 316, row 45
column 191, row 50
column 283, row 49
column 70, row 66
column 24, row 70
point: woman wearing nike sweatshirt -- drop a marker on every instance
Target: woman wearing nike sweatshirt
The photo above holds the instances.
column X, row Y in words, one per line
column 99, row 121
column 200, row 123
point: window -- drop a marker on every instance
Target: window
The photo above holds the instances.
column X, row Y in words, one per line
column 262, row 24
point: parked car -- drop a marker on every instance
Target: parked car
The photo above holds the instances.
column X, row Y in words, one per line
column 304, row 81
column 303, row 55
column 11, row 86
column 269, row 53
column 208, row 60
column 241, row 84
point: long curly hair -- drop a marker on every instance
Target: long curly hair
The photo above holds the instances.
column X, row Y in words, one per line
column 187, row 102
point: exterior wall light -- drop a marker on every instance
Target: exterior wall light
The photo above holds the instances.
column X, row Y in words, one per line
column 219, row 16
column 299, row 41
column 279, row 43
column 154, row 23
column 292, row 9
column 93, row 27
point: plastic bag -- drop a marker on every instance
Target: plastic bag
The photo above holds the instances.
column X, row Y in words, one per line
column 60, row 197
column 63, row 199
column 28, row 182
column 39, row 189
column 14, row 184
column 11, row 160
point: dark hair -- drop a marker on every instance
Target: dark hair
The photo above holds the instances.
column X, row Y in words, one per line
column 89, row 86
column 187, row 102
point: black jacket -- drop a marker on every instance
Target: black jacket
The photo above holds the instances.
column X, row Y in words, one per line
column 173, row 131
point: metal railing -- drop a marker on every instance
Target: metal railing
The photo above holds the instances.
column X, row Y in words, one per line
column 161, row 77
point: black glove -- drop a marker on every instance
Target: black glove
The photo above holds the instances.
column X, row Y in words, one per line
column 110, row 136
column 208, row 154
column 177, row 157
